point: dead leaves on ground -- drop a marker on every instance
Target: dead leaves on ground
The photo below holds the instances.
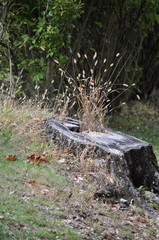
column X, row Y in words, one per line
column 38, row 159
column 34, row 158
column 11, row 158
column 68, row 151
column 34, row 183
column 38, row 188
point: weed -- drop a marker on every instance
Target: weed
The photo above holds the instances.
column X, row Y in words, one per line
column 6, row 136
column 71, row 234
column 90, row 90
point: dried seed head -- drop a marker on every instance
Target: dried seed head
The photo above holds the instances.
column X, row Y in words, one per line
column 79, row 55
column 138, row 97
column 117, row 55
column 46, row 90
column 111, row 65
column 104, row 60
column 2, row 86
column 56, row 61
column 42, row 48
column 125, row 85
column 91, row 83
column 85, row 56
column 74, row 60
column 69, row 80
column 96, row 62
column 91, row 71
column 95, row 55
column 105, row 70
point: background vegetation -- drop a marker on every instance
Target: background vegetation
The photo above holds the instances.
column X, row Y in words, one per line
column 83, row 56
column 34, row 34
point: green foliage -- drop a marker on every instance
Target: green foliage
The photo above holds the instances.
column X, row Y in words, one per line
column 136, row 119
column 34, row 32
column 5, row 135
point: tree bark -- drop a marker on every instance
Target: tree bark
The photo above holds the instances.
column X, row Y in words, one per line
column 123, row 163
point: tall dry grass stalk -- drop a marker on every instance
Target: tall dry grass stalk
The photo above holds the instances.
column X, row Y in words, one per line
column 90, row 90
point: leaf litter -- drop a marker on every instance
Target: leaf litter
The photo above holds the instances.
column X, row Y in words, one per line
column 91, row 218
column 75, row 205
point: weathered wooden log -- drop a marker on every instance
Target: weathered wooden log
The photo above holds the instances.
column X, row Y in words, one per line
column 126, row 162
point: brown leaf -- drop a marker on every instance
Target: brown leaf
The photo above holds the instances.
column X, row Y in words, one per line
column 38, row 159
column 11, row 158
column 69, row 151
column 32, row 182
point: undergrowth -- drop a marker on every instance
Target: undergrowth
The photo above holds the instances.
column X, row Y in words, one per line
column 54, row 200
column 139, row 119
column 90, row 91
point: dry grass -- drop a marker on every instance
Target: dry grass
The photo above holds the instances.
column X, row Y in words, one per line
column 55, row 201
column 90, row 90
column 24, row 123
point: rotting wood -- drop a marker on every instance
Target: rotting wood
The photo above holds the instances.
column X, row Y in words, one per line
column 129, row 161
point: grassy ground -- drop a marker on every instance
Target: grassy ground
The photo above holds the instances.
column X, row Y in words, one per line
column 54, row 199
column 140, row 120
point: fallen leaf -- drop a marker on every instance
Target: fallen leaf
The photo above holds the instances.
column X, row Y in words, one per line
column 144, row 220
column 32, row 182
column 11, row 158
column 38, row 159
column 69, row 151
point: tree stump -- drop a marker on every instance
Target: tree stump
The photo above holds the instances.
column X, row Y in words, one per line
column 126, row 162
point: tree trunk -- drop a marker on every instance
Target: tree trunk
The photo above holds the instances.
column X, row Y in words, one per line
column 124, row 162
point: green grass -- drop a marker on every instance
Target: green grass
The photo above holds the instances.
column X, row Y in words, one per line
column 140, row 120
column 27, row 211
column 27, row 214
column 45, row 210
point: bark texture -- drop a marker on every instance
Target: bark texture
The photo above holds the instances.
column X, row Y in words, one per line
column 125, row 162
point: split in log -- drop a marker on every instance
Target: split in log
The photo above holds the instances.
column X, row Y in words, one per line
column 127, row 162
